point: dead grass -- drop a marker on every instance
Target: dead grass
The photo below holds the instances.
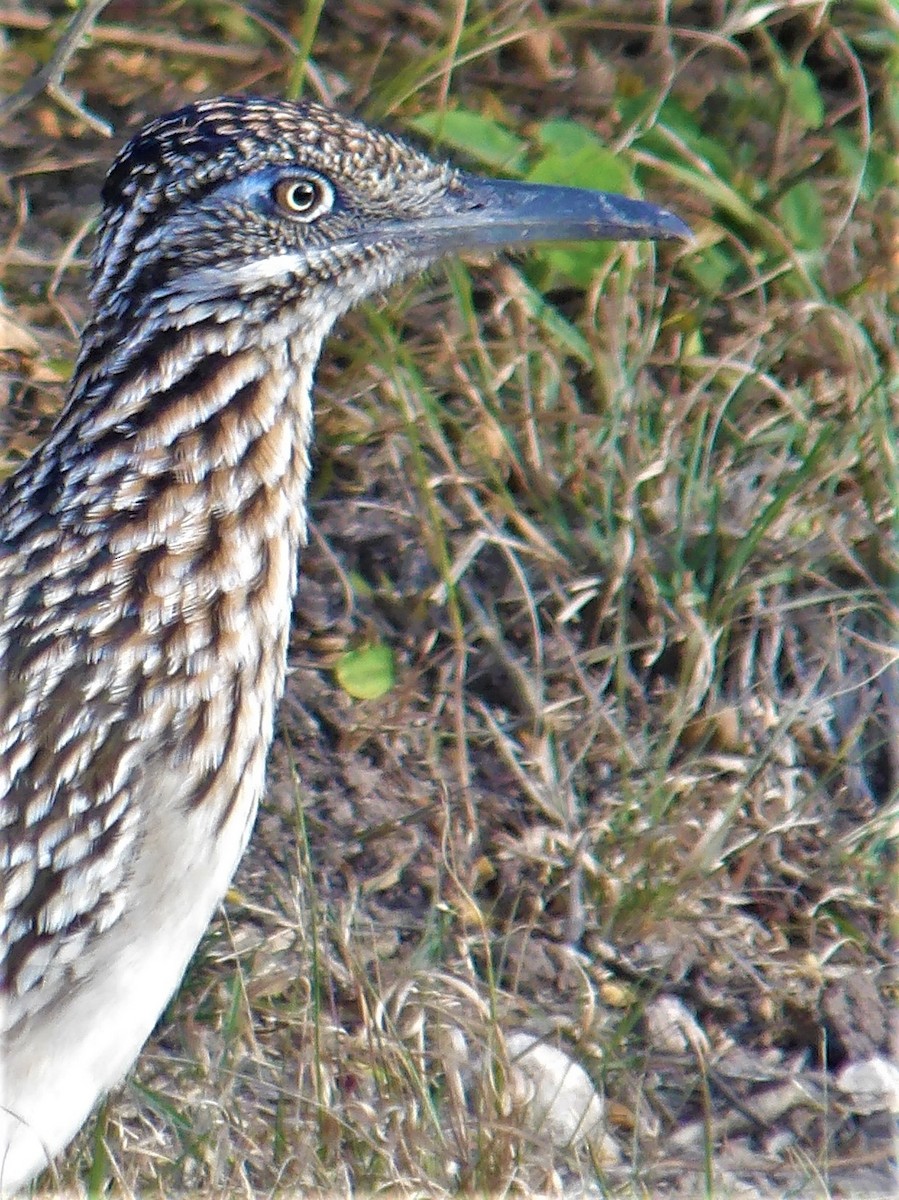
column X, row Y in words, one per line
column 635, row 789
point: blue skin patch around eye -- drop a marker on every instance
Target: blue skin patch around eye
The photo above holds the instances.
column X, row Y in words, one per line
column 256, row 189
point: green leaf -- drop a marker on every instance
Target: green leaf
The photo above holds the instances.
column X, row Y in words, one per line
column 802, row 213
column 366, row 673
column 711, row 268
column 577, row 263
column 567, row 138
column 591, row 167
column 803, row 98
column 878, row 170
column 575, row 157
column 480, row 137
column 673, row 117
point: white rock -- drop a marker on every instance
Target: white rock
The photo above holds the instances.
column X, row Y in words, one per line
column 557, row 1095
column 673, row 1029
column 869, row 1086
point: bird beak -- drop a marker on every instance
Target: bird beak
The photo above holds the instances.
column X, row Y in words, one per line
column 481, row 213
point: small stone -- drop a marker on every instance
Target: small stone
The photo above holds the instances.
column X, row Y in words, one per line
column 870, row 1086
column 673, row 1029
column 558, row 1095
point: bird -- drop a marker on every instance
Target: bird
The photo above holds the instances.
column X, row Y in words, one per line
column 149, row 552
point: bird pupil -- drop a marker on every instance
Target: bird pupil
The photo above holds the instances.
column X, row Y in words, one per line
column 302, row 195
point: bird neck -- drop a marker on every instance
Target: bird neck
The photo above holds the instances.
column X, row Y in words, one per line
column 183, row 424
column 175, row 481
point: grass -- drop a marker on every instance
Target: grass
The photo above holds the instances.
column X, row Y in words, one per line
column 621, row 522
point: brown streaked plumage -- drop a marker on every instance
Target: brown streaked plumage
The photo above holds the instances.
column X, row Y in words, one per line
column 148, row 553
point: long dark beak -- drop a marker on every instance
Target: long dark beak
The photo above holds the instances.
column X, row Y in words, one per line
column 475, row 213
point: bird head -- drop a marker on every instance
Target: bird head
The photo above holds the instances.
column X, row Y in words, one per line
column 248, row 198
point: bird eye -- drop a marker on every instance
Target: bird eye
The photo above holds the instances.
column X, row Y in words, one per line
column 306, row 197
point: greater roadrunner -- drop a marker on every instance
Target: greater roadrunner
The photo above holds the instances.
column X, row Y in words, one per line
column 149, row 552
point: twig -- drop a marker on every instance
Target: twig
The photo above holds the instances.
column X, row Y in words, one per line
column 49, row 78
